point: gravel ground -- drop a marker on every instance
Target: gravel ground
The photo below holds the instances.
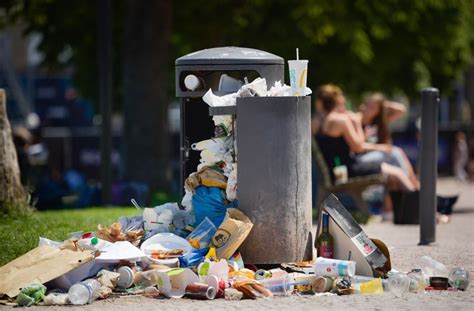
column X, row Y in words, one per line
column 454, row 247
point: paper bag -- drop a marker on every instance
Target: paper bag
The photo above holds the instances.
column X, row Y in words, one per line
column 39, row 265
column 231, row 233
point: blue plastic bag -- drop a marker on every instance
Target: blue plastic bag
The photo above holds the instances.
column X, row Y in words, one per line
column 209, row 202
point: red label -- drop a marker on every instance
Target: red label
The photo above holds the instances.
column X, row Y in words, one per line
column 326, row 251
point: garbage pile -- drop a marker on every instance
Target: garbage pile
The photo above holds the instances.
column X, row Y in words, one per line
column 191, row 249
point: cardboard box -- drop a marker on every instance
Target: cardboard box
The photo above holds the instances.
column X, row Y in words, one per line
column 350, row 238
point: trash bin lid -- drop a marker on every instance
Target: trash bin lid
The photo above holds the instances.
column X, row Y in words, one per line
column 229, row 55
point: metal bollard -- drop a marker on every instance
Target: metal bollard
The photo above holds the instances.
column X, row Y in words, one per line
column 428, row 164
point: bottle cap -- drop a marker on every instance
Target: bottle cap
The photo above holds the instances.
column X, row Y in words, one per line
column 94, row 241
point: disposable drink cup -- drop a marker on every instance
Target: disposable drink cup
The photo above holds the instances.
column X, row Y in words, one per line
column 398, row 284
column 341, row 175
column 280, row 286
column 298, row 70
column 333, row 267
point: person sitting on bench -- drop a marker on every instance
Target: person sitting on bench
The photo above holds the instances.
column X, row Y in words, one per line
column 341, row 136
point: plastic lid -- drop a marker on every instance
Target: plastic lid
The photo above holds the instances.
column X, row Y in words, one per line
column 229, row 55
column 94, row 241
column 125, row 279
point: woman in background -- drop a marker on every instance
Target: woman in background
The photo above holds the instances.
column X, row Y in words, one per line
column 375, row 115
column 341, row 136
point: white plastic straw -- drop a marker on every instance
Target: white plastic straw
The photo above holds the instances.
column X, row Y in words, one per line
column 136, row 204
column 297, row 54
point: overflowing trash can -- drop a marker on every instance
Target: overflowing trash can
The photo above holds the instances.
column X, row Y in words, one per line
column 223, row 70
column 272, row 142
column 243, row 227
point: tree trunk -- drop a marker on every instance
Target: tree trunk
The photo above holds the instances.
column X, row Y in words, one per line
column 12, row 193
column 145, row 68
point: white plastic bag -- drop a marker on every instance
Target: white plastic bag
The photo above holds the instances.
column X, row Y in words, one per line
column 231, row 190
column 257, row 87
column 219, row 101
column 48, row 242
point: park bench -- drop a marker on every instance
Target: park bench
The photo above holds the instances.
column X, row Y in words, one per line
column 353, row 187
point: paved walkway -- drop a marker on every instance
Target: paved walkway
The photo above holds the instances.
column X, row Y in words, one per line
column 454, row 247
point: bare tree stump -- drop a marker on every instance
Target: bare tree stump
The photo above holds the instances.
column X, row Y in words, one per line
column 13, row 197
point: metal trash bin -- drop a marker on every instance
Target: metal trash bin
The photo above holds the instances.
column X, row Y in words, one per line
column 200, row 71
column 273, row 149
column 274, row 177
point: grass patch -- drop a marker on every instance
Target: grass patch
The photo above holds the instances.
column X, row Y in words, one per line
column 19, row 235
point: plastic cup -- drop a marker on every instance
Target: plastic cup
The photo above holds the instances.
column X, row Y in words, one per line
column 333, row 267
column 80, row 294
column 398, row 284
column 280, row 286
column 341, row 174
column 298, row 70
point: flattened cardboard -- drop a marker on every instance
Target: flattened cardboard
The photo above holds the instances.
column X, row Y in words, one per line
column 349, row 237
column 40, row 265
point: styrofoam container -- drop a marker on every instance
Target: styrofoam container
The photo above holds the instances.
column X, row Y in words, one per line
column 76, row 275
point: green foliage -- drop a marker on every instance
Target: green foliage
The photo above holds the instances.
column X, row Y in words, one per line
column 21, row 234
column 69, row 31
column 392, row 45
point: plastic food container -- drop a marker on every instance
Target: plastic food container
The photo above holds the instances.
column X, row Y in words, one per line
column 165, row 242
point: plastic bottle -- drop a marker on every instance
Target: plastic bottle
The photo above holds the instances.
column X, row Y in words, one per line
column 459, row 278
column 84, row 292
column 432, row 267
column 280, row 286
column 93, row 243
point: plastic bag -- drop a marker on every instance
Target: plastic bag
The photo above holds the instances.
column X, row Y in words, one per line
column 202, row 235
column 231, row 190
column 280, row 90
column 209, row 202
column 257, row 87
column 131, row 224
column 48, row 242
column 194, row 258
column 219, row 101
column 56, row 299
column 31, row 294
column 187, row 201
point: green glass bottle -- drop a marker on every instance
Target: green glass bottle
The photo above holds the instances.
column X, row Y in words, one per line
column 325, row 242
